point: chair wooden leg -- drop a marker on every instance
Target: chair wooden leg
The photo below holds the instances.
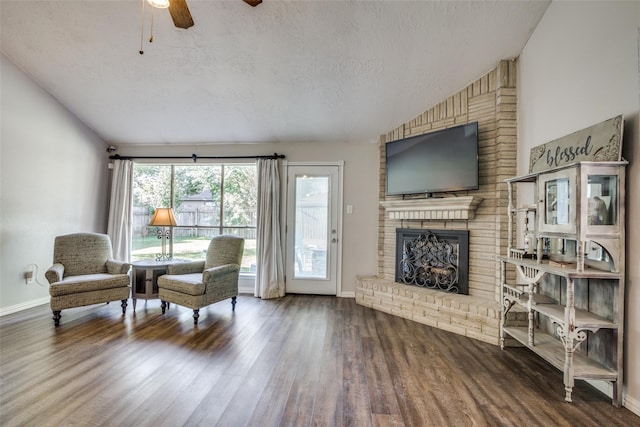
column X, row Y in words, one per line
column 56, row 317
column 233, row 303
column 124, row 306
column 196, row 314
column 163, row 306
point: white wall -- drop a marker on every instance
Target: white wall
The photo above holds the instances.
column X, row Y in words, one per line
column 53, row 180
column 359, row 230
column 581, row 67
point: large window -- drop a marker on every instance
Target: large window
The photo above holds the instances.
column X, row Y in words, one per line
column 208, row 200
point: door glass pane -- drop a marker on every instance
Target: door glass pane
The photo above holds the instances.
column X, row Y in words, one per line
column 311, row 226
column 557, row 201
column 602, row 195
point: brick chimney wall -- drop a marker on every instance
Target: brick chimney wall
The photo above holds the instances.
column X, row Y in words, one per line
column 491, row 101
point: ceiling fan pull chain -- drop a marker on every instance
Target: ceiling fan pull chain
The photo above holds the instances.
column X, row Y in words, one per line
column 142, row 29
column 151, row 37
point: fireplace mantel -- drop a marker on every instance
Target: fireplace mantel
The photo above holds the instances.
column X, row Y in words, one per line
column 446, row 208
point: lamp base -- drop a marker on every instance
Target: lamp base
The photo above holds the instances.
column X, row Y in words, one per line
column 164, row 257
column 164, row 234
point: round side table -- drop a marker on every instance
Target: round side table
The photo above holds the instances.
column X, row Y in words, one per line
column 145, row 278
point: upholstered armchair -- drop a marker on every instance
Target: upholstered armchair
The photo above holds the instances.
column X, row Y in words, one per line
column 84, row 273
column 200, row 283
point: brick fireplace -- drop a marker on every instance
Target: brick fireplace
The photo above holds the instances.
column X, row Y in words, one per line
column 491, row 101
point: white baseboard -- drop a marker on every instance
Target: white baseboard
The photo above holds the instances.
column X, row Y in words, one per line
column 606, row 388
column 245, row 289
column 23, row 306
column 632, row 404
column 246, row 284
column 250, row 290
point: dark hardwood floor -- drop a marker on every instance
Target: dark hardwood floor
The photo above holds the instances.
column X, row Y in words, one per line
column 297, row 361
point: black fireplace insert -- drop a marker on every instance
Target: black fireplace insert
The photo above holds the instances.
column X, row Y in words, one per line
column 435, row 259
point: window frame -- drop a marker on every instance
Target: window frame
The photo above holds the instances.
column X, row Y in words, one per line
column 221, row 228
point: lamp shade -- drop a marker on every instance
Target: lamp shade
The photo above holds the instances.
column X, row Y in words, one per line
column 160, row 4
column 163, row 217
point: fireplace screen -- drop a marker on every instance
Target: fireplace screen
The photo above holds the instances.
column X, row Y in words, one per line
column 433, row 259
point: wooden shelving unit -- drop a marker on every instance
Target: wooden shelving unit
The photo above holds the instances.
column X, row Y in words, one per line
column 552, row 350
column 569, row 275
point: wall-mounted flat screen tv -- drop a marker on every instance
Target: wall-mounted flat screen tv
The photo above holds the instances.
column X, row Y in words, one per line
column 441, row 161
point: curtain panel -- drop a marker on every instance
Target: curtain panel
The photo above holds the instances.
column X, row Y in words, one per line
column 270, row 267
column 119, row 227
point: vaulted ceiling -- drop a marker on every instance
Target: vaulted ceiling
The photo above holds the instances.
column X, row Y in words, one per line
column 295, row 71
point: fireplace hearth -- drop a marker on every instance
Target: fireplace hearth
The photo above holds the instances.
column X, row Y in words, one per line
column 434, row 259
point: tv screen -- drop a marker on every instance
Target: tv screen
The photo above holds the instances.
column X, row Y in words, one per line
column 445, row 160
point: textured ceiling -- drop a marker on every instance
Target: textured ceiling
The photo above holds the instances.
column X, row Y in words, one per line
column 294, row 71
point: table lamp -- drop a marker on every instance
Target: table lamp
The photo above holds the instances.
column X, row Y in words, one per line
column 163, row 217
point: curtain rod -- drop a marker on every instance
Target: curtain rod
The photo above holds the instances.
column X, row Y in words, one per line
column 195, row 157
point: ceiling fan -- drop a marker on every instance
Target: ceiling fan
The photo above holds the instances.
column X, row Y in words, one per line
column 180, row 11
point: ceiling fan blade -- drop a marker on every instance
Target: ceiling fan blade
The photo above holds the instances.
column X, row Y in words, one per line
column 180, row 14
column 253, row 3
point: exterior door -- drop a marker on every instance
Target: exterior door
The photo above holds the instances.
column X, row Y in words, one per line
column 313, row 229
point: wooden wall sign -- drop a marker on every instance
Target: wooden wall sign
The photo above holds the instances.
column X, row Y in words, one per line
column 598, row 143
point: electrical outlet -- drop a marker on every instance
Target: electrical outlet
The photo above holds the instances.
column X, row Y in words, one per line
column 28, row 277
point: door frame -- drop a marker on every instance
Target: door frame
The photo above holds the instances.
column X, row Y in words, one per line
column 339, row 214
